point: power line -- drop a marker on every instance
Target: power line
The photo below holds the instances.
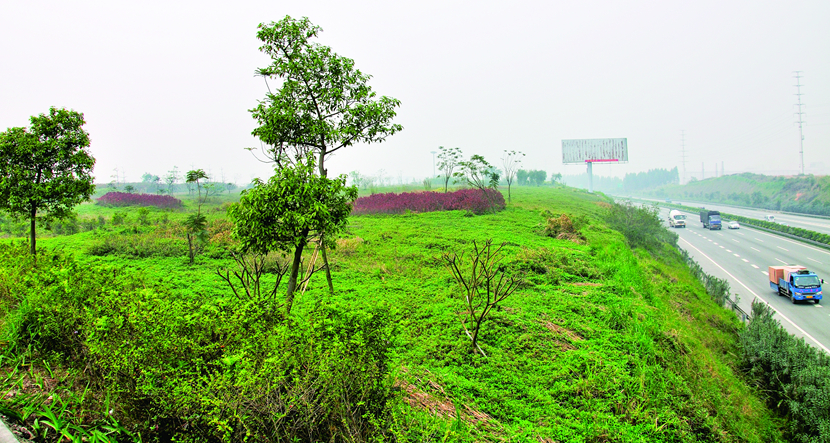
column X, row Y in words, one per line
column 800, row 120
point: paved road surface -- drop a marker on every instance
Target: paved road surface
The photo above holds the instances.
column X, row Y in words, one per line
column 814, row 224
column 742, row 257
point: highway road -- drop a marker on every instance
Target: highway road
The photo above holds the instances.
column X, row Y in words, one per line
column 742, row 257
column 799, row 221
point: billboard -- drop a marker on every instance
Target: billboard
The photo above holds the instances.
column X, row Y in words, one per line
column 580, row 151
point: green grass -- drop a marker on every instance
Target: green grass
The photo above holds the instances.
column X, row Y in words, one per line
column 601, row 344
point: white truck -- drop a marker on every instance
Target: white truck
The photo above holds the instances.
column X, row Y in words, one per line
column 676, row 219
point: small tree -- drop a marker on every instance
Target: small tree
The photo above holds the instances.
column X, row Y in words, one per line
column 480, row 174
column 45, row 171
column 196, row 224
column 171, row 178
column 448, row 160
column 286, row 212
column 511, row 162
column 484, row 282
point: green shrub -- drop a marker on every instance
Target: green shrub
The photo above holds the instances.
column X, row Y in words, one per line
column 794, row 374
column 640, row 225
column 191, row 369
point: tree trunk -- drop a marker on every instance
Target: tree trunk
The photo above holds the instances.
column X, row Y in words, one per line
column 295, row 270
column 326, row 264
column 32, row 216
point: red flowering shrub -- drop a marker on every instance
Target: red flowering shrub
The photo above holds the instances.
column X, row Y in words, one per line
column 128, row 199
column 473, row 200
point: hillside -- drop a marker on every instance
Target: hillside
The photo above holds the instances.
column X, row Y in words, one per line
column 806, row 194
column 601, row 343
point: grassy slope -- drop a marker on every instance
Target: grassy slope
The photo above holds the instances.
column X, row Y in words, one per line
column 808, row 194
column 604, row 344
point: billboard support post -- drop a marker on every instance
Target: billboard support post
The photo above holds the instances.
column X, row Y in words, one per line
column 590, row 177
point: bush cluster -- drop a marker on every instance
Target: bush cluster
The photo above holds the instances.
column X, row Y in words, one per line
column 201, row 369
column 473, row 200
column 119, row 199
column 640, row 225
column 794, row 374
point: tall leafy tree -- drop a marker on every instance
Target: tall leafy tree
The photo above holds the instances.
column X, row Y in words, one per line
column 324, row 104
column 511, row 161
column 448, row 160
column 285, row 212
column 45, row 171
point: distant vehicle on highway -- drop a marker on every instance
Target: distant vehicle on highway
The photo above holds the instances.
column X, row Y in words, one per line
column 676, row 219
column 710, row 219
column 734, row 225
column 769, row 218
column 668, row 200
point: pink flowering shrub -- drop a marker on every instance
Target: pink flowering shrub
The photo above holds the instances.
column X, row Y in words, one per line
column 128, row 199
column 473, row 200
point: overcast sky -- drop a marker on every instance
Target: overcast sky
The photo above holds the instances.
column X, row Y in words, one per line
column 166, row 84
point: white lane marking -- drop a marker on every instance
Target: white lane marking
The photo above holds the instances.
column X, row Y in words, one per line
column 818, row 306
column 739, row 233
column 765, row 273
column 736, row 255
column 736, row 241
column 755, row 249
column 808, row 258
column 823, row 251
column 755, row 266
column 720, row 234
column 779, row 247
column 716, row 242
column 728, row 250
column 710, row 239
column 721, row 247
column 782, row 261
column 702, row 236
column 759, row 240
column 759, row 298
column 747, row 261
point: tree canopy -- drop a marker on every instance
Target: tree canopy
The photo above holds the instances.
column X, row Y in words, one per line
column 45, row 171
column 324, row 103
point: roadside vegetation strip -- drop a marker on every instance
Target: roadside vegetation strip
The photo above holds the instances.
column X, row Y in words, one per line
column 600, row 342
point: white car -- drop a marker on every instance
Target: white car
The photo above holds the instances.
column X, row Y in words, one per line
column 734, row 225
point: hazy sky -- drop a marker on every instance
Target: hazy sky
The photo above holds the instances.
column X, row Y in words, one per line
column 166, row 84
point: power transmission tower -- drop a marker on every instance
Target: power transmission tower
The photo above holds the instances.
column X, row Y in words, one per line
column 683, row 154
column 800, row 120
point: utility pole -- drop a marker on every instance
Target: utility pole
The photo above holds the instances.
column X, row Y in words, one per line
column 683, row 154
column 800, row 121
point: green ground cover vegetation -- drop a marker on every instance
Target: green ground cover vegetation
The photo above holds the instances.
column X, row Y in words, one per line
column 112, row 335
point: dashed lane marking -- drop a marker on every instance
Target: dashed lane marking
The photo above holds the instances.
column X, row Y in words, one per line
column 765, row 273
column 755, row 266
column 755, row 249
column 824, row 348
column 782, row 261
column 736, row 255
column 759, row 240
column 745, row 260
column 728, row 250
column 808, row 258
column 736, row 241
column 779, row 247
column 721, row 247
